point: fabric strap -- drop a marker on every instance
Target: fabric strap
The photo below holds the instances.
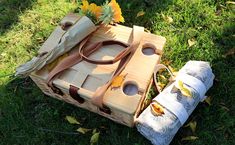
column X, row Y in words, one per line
column 175, row 107
column 85, row 50
column 195, row 83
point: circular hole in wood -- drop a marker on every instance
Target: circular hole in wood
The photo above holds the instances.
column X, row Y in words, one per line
column 148, row 51
column 130, row 89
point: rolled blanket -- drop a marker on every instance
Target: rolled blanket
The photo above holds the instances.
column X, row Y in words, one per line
column 197, row 78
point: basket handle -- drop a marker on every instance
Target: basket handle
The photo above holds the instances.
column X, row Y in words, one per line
column 156, row 69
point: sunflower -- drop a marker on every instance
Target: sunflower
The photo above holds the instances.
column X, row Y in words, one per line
column 96, row 10
column 91, row 10
column 85, row 5
column 108, row 13
column 117, row 13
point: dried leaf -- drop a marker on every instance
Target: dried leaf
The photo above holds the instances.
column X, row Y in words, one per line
column 224, row 107
column 180, row 83
column 161, row 85
column 146, row 30
column 171, row 69
column 168, row 19
column 230, row 2
column 157, row 110
column 117, row 81
column 83, row 130
column 184, row 90
column 3, row 54
column 189, row 138
column 94, row 138
column 71, row 120
column 208, row 100
column 192, row 125
column 220, row 128
column 162, row 77
column 140, row 13
column 191, row 42
column 230, row 52
column 167, row 62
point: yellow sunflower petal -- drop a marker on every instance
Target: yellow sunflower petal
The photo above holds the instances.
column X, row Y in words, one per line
column 84, row 6
column 117, row 17
column 96, row 10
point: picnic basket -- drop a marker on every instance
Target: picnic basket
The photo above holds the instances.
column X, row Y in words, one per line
column 78, row 83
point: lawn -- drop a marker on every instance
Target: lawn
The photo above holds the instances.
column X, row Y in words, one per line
column 29, row 117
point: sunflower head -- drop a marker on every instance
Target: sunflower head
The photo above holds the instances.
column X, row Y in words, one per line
column 108, row 13
column 91, row 10
column 116, row 10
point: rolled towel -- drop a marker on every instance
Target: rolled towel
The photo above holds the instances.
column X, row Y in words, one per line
column 197, row 77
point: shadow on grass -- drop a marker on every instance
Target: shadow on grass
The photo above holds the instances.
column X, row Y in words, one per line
column 10, row 11
column 218, row 117
column 24, row 108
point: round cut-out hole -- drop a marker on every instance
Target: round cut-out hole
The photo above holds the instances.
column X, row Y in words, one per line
column 148, row 51
column 130, row 89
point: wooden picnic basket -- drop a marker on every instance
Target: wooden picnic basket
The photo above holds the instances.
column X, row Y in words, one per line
column 88, row 70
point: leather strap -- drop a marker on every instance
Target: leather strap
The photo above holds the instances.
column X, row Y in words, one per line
column 73, row 92
column 85, row 50
column 97, row 98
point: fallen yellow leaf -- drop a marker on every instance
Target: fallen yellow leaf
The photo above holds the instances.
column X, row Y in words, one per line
column 230, row 52
column 157, row 110
column 83, row 130
column 94, row 138
column 167, row 62
column 184, row 90
column 208, row 100
column 189, row 138
column 171, row 69
column 162, row 77
column 230, row 2
column 161, row 85
column 140, row 13
column 192, row 125
column 168, row 19
column 117, row 81
column 191, row 42
column 72, row 120
column 180, row 83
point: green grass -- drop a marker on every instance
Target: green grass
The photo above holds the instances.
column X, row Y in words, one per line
column 25, row 112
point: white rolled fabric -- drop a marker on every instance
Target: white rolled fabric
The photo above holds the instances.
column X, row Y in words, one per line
column 160, row 130
column 82, row 28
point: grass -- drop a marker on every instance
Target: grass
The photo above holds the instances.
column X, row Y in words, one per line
column 28, row 117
